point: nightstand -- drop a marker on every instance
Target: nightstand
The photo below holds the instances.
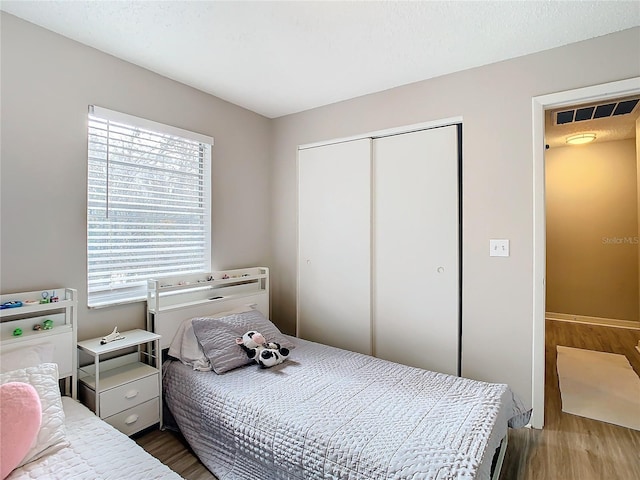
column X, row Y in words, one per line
column 123, row 390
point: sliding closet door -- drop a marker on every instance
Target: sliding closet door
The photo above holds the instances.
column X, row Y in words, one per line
column 334, row 235
column 416, row 249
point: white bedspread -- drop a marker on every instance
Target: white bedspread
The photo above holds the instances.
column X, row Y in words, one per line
column 328, row 413
column 97, row 451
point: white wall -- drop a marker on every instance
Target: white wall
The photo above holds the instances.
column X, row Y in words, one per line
column 495, row 102
column 592, row 226
column 47, row 83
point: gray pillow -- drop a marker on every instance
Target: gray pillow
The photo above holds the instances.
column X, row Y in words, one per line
column 217, row 337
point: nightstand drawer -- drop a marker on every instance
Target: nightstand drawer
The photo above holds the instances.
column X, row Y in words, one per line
column 128, row 395
column 136, row 418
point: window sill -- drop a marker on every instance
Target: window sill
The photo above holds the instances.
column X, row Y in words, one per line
column 114, row 302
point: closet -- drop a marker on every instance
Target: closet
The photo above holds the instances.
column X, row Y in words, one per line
column 379, row 246
column 334, row 223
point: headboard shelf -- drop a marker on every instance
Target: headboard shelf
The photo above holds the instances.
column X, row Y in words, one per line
column 37, row 308
column 204, row 284
column 179, row 292
column 67, row 300
column 212, row 301
column 26, row 324
column 170, row 300
column 63, row 334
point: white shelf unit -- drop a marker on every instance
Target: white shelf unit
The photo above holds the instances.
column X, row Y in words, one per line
column 124, row 390
column 170, row 300
column 63, row 335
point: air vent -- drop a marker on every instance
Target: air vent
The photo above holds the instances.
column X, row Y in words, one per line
column 592, row 112
column 625, row 107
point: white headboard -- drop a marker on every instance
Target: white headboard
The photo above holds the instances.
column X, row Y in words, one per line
column 63, row 334
column 171, row 300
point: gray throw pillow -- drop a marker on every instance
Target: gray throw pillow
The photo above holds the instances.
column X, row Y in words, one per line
column 217, row 337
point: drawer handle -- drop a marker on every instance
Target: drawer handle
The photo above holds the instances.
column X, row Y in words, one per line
column 131, row 419
column 131, row 394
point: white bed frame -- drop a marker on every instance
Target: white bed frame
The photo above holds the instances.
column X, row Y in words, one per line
column 171, row 300
column 501, row 453
column 63, row 335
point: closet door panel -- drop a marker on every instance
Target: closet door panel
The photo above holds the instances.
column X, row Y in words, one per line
column 334, row 235
column 416, row 249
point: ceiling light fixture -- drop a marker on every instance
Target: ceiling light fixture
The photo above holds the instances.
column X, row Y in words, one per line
column 581, row 139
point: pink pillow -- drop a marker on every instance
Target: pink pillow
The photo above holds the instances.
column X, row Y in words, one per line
column 20, row 417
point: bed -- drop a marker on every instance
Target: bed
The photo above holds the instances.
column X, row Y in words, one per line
column 93, row 450
column 44, row 434
column 326, row 412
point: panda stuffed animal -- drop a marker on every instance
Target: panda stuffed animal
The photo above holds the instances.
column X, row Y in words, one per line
column 272, row 354
column 266, row 354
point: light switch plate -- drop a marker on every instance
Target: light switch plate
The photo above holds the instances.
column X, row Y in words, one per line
column 498, row 247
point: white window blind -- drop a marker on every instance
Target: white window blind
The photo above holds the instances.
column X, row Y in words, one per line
column 148, row 204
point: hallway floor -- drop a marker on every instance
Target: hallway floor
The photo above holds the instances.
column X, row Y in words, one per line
column 572, row 447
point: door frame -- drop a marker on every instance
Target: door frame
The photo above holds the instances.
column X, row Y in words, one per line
column 414, row 127
column 541, row 103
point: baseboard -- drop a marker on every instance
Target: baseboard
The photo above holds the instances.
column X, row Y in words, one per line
column 607, row 322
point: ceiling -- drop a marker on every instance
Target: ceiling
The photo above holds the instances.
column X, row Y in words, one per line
column 606, row 129
column 277, row 57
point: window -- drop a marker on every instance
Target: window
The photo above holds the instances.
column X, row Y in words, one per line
column 148, row 215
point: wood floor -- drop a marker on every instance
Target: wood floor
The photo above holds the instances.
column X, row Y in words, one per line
column 572, row 447
column 172, row 450
column 568, row 448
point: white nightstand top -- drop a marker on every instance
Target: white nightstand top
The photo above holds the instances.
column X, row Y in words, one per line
column 131, row 339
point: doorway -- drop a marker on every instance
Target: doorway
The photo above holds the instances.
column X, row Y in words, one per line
column 540, row 105
column 591, row 213
column 592, row 277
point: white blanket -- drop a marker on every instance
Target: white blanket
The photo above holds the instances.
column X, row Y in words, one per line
column 328, row 413
column 96, row 451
